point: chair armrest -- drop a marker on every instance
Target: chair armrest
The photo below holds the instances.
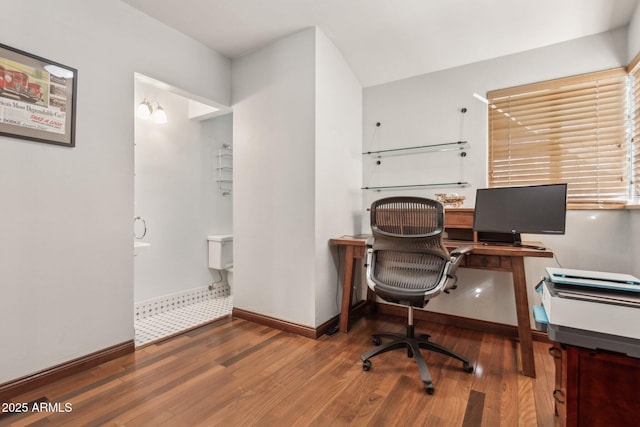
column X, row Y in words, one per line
column 456, row 257
column 461, row 250
column 369, row 242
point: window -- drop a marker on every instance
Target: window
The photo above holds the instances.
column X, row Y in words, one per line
column 573, row 130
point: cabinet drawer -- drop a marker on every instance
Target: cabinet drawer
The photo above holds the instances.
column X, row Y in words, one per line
column 492, row 262
column 458, row 218
column 483, row 261
column 488, row 261
column 602, row 388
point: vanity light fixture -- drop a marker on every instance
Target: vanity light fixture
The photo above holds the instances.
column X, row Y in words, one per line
column 158, row 115
column 147, row 111
column 144, row 110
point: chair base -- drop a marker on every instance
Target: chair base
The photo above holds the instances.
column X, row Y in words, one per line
column 413, row 345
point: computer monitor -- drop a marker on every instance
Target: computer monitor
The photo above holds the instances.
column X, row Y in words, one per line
column 502, row 214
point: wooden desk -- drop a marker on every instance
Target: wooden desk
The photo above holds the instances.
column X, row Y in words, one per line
column 354, row 250
column 505, row 258
column 458, row 223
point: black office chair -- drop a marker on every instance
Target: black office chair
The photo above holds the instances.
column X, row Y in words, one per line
column 408, row 264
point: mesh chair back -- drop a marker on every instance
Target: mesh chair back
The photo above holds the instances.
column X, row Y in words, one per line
column 409, row 256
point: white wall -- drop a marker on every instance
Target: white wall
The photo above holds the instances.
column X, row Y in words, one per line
column 66, row 257
column 274, row 179
column 338, row 166
column 633, row 47
column 634, row 239
column 426, row 110
column 297, row 111
column 215, row 132
column 177, row 195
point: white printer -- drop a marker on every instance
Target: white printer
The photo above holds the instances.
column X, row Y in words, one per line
column 591, row 309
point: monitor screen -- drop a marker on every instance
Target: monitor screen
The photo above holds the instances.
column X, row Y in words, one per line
column 537, row 209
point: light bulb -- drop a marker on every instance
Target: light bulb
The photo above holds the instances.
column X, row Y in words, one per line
column 159, row 116
column 144, row 110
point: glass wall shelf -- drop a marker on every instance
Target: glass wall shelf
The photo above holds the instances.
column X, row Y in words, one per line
column 447, row 146
column 441, row 184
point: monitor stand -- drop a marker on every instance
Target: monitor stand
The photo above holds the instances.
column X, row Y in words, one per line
column 512, row 239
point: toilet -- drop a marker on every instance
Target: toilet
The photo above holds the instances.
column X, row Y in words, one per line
column 221, row 255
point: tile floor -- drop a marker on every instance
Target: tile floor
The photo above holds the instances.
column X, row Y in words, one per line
column 159, row 326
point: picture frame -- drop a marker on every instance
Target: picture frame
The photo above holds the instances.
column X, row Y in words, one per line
column 37, row 98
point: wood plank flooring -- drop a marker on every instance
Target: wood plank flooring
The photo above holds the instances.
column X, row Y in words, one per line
column 237, row 373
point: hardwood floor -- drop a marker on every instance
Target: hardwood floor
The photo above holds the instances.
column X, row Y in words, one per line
column 237, row 373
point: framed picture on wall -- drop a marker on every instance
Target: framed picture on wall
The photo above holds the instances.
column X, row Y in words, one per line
column 37, row 98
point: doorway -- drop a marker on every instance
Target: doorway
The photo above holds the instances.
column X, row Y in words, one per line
column 178, row 203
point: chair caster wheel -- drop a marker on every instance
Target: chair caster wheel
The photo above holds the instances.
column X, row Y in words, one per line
column 376, row 341
column 467, row 368
column 429, row 387
column 366, row 365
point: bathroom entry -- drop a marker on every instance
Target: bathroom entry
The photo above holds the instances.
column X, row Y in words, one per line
column 178, row 202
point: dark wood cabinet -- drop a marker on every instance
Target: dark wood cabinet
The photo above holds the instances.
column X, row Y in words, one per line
column 458, row 224
column 596, row 388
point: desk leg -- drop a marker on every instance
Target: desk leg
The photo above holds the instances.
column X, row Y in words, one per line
column 522, row 313
column 347, row 285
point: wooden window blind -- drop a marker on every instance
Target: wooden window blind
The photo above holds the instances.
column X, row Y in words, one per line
column 571, row 130
column 634, row 72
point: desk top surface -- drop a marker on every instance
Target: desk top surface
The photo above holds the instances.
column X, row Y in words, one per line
column 358, row 240
column 479, row 248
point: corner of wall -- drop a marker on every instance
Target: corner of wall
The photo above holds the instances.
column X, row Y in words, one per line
column 338, row 164
column 633, row 36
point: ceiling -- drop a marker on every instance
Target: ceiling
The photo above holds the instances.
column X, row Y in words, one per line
column 386, row 40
